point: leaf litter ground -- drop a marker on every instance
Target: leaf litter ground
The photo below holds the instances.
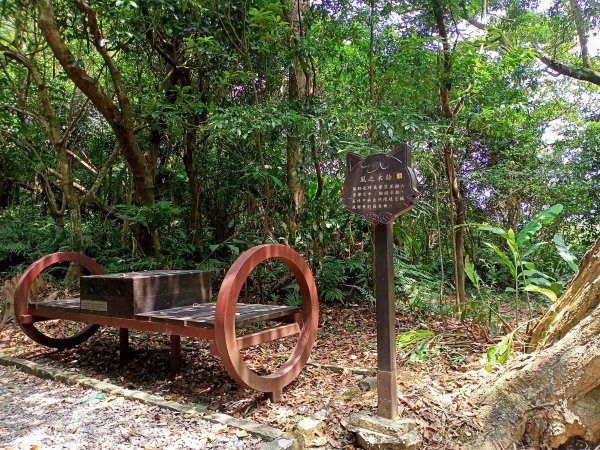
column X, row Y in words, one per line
column 435, row 388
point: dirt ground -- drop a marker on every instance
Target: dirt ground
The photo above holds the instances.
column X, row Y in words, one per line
column 435, row 381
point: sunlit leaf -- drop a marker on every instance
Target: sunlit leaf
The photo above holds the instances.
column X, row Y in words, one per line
column 495, row 230
column 547, row 292
column 528, row 231
column 470, row 271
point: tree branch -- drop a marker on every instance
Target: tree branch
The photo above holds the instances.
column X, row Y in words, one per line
column 581, row 33
column 51, row 198
column 112, row 68
column 91, row 193
column 579, row 73
column 86, row 164
column 42, row 121
column 88, row 85
column 121, row 121
column 50, row 123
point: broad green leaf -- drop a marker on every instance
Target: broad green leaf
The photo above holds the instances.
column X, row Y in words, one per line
column 495, row 230
column 491, row 357
column 410, row 337
column 532, row 272
column 504, row 348
column 529, row 250
column 550, row 214
column 505, row 259
column 528, row 231
column 277, row 182
column 539, row 281
column 470, row 271
column 564, row 251
column 512, row 244
column 528, row 264
column 500, row 352
column 547, row 292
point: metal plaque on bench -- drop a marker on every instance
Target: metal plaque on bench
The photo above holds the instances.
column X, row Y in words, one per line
column 127, row 294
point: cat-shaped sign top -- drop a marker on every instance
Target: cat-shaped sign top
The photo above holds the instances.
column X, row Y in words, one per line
column 380, row 187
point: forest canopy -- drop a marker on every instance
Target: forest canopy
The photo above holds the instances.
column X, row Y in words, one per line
column 179, row 133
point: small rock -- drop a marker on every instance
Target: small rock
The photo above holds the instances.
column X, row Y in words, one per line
column 321, row 414
column 308, row 427
column 396, row 428
column 371, row 440
column 368, row 384
column 280, row 444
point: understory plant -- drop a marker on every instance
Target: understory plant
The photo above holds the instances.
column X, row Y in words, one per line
column 526, row 277
column 419, row 344
column 416, row 286
column 518, row 258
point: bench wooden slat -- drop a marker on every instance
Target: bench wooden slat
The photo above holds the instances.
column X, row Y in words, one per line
column 61, row 303
column 200, row 315
column 203, row 315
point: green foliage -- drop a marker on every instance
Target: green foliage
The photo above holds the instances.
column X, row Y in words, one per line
column 419, row 344
column 155, row 216
column 417, row 287
column 25, row 235
column 525, row 276
column 564, row 251
column 338, row 278
column 520, row 142
column 500, row 352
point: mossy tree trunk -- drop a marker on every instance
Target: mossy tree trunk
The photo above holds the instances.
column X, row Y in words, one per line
column 119, row 115
column 553, row 394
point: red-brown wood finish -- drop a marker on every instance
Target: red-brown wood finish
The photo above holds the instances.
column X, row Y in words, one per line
column 228, row 345
column 215, row 322
column 23, row 313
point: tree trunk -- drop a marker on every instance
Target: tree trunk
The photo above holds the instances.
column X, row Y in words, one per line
column 189, row 162
column 72, row 202
column 299, row 87
column 458, row 232
column 119, row 116
column 552, row 395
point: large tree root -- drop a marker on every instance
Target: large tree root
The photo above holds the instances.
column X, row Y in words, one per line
column 548, row 397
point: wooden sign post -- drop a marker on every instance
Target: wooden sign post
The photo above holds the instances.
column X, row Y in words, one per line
column 381, row 188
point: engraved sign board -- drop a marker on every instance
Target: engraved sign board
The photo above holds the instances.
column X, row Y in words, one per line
column 380, row 187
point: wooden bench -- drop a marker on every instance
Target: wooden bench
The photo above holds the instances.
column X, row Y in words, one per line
column 181, row 313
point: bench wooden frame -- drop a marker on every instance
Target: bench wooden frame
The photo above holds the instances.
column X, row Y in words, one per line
column 213, row 321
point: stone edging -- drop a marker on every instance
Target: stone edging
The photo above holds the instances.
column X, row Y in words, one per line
column 277, row 439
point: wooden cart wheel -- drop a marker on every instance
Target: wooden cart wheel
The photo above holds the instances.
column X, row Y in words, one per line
column 23, row 314
column 225, row 337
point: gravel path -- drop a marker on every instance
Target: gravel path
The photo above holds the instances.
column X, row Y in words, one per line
column 37, row 414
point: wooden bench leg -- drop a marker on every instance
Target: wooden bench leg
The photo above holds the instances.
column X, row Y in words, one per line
column 123, row 345
column 275, row 396
column 175, row 355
